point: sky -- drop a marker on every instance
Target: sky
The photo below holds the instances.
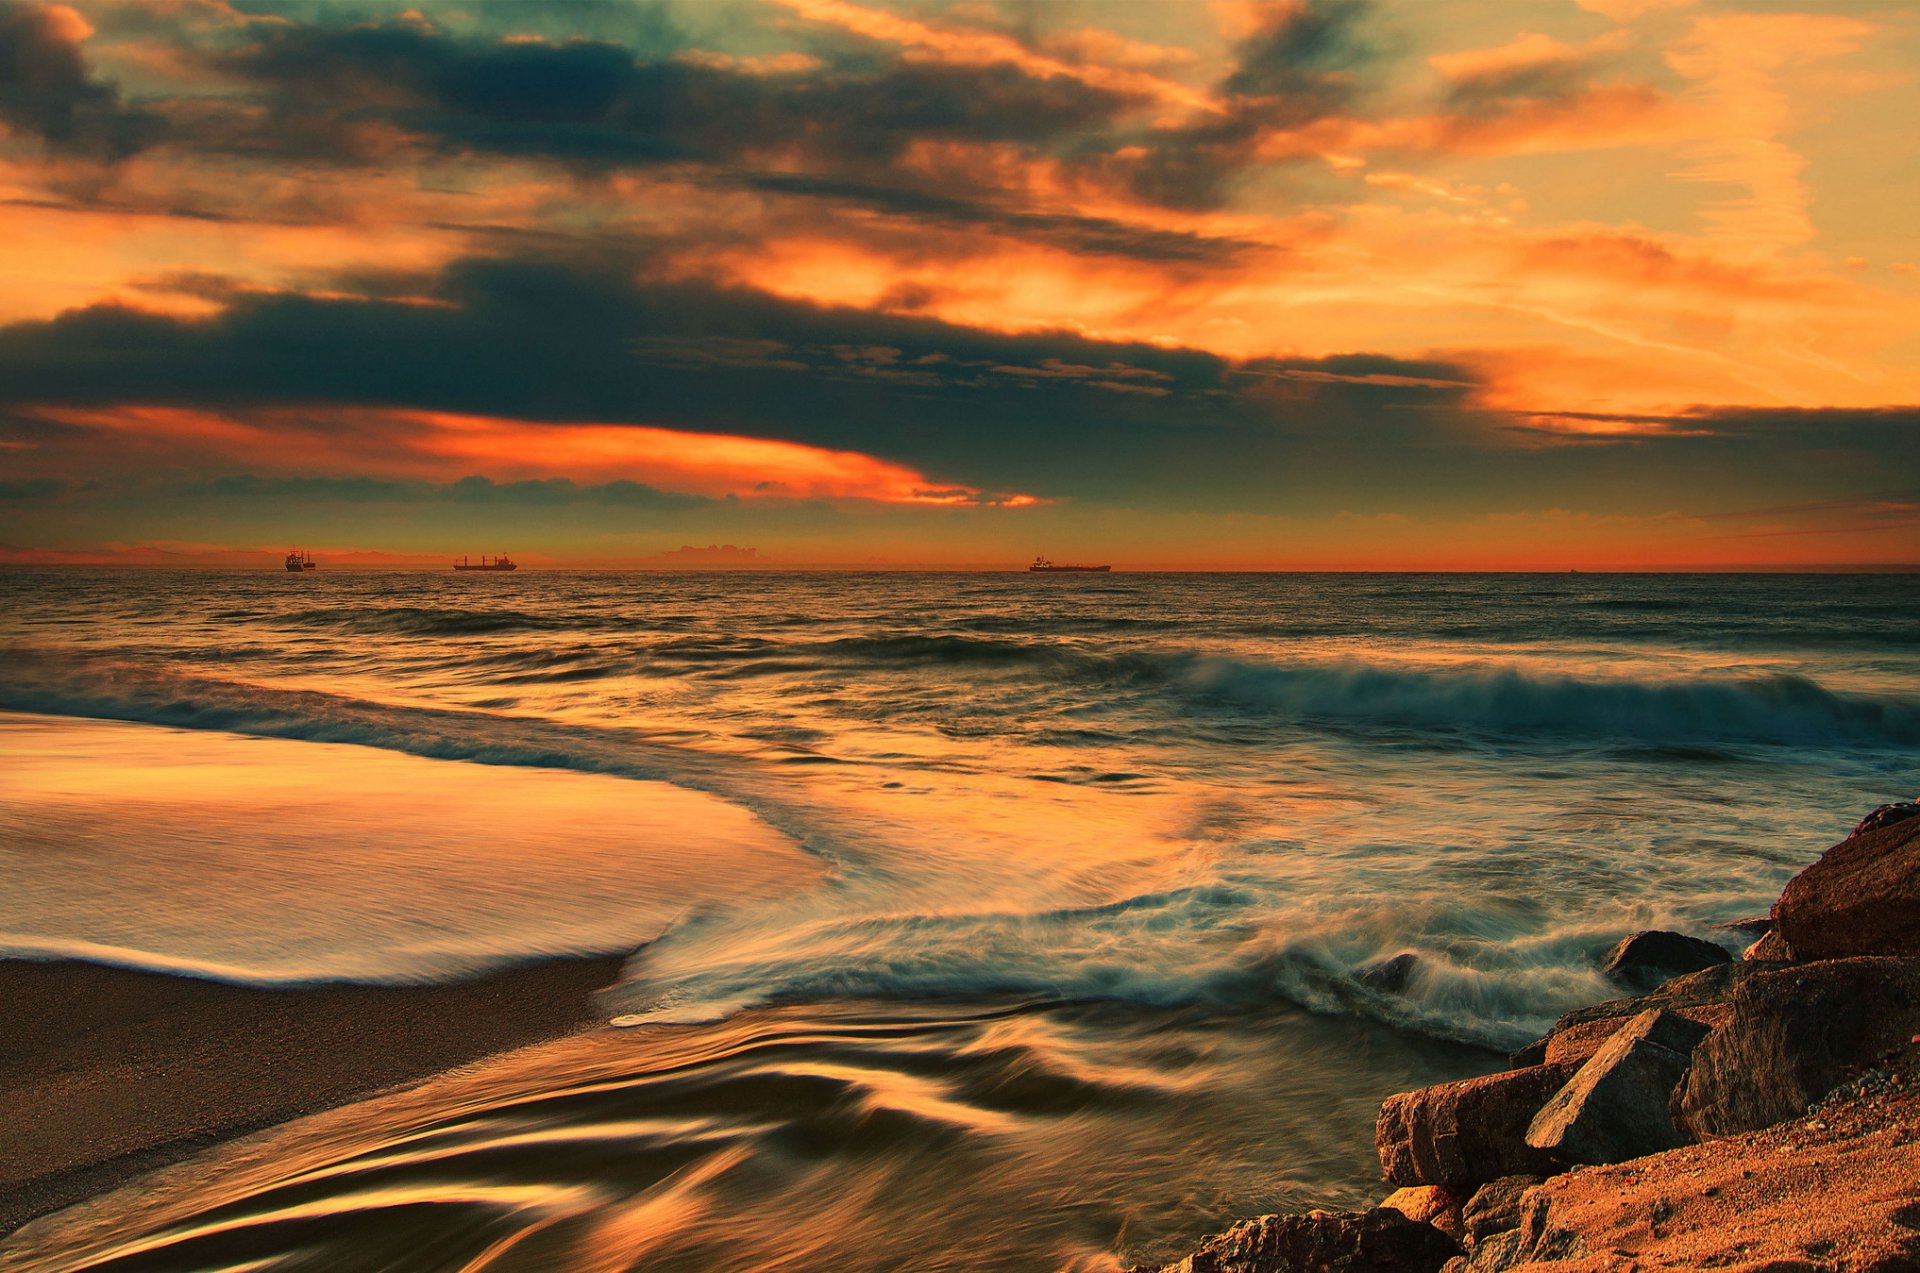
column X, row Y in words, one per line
column 1181, row 284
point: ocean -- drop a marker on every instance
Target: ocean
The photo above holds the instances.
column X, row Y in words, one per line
column 984, row 921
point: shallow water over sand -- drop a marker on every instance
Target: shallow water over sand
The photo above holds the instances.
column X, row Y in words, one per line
column 853, row 1136
column 1053, row 889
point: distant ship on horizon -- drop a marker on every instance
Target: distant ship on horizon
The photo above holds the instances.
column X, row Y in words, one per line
column 1042, row 566
column 298, row 561
column 502, row 562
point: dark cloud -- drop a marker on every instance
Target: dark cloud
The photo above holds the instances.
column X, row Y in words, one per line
column 1303, row 65
column 1051, row 414
column 1085, row 234
column 32, row 488
column 598, row 104
column 1305, row 60
column 537, row 339
column 1492, row 93
column 47, row 90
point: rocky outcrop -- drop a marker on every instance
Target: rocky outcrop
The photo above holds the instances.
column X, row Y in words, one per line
column 1861, row 898
column 1831, row 1194
column 1466, row 1133
column 1616, row 1106
column 1798, row 1066
column 1794, row 1034
column 1378, row 1241
column 1647, row 960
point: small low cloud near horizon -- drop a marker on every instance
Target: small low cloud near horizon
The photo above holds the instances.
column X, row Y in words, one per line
column 1309, row 284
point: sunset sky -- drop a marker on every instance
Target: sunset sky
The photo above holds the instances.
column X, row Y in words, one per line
column 1306, row 284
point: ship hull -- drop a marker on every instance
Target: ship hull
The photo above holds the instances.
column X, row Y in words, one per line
column 487, row 568
column 1068, row 570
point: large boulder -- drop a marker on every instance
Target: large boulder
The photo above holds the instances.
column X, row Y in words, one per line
column 1647, row 960
column 1468, row 1132
column 1616, row 1106
column 1378, row 1241
column 1861, row 898
column 1794, row 1034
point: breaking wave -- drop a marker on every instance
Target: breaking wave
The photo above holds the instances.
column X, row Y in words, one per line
column 1774, row 709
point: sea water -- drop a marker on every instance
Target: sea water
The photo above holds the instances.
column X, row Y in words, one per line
column 990, row 920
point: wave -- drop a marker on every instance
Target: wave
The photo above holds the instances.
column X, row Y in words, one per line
column 1490, row 974
column 1781, row 709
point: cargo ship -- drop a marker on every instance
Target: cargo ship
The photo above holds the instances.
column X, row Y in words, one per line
column 298, row 561
column 1042, row 566
column 502, row 562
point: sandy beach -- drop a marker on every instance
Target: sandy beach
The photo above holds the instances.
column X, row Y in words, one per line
column 110, row 1072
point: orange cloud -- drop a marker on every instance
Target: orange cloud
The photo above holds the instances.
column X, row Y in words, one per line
column 1738, row 62
column 443, row 446
column 974, row 47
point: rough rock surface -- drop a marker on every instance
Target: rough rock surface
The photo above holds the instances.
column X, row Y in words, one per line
column 1832, row 1194
column 1572, row 1046
column 1861, row 898
column 1436, row 1205
column 1378, row 1241
column 1771, row 948
column 1616, row 1106
column 1495, row 1207
column 1702, row 996
column 1794, row 1034
column 1646, row 960
column 1465, row 1133
column 1886, row 815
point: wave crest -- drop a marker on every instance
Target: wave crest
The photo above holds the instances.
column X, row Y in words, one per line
column 1505, row 699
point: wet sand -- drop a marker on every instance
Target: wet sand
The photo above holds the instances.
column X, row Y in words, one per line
column 106, row 1073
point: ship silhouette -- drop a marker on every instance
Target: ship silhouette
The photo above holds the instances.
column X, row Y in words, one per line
column 502, row 562
column 1042, row 566
column 298, row 561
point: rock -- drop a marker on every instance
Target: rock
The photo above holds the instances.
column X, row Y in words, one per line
column 1646, row 960
column 1495, row 1255
column 1436, row 1205
column 1495, row 1207
column 1390, row 976
column 1886, row 815
column 1616, row 1106
column 1569, row 1047
column 1466, row 1133
column 1794, row 1034
column 1755, row 926
column 1772, row 948
column 1861, row 898
column 1699, row 996
column 1793, row 1198
column 1378, row 1241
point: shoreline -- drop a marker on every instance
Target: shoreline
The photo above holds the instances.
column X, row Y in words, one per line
column 114, row 1072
